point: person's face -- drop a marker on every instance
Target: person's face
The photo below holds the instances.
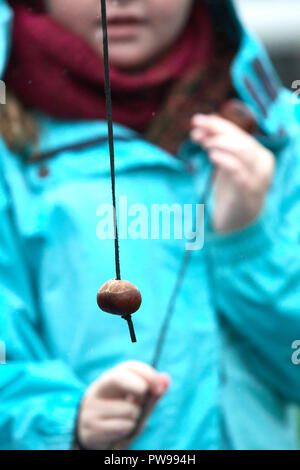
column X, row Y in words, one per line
column 139, row 30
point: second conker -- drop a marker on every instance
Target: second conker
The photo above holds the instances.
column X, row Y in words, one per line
column 239, row 114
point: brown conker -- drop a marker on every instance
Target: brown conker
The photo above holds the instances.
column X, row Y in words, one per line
column 238, row 113
column 119, row 297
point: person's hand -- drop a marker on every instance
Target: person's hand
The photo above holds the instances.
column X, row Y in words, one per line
column 112, row 404
column 244, row 170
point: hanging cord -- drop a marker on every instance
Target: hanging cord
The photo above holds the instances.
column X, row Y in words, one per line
column 112, row 154
column 179, row 281
column 130, row 326
column 169, row 314
column 110, row 133
column 180, row 278
column 187, row 254
column 162, row 336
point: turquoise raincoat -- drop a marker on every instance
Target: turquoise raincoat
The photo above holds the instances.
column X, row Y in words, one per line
column 229, row 346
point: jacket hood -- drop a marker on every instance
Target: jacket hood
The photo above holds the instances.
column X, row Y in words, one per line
column 253, row 75
column 226, row 20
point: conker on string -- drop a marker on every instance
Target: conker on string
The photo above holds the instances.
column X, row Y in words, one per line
column 237, row 112
column 119, row 297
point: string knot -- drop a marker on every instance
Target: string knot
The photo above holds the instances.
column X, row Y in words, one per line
column 128, row 318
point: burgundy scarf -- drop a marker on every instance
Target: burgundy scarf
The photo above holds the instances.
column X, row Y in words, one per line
column 56, row 72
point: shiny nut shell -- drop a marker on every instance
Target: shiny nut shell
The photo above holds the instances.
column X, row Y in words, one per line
column 119, row 297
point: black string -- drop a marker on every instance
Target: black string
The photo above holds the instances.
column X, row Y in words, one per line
column 177, row 287
column 112, row 153
column 180, row 278
column 169, row 314
column 110, row 133
column 162, row 336
column 187, row 254
column 130, row 326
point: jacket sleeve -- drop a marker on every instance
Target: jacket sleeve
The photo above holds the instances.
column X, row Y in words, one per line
column 39, row 394
column 256, row 275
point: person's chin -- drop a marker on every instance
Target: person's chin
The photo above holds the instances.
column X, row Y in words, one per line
column 126, row 55
column 129, row 61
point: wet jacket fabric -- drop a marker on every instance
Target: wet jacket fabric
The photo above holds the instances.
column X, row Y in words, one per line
column 228, row 349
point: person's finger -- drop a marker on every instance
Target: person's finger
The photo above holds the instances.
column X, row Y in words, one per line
column 214, row 124
column 197, row 135
column 237, row 147
column 116, row 408
column 147, row 405
column 116, row 429
column 146, row 372
column 122, row 382
column 164, row 381
column 227, row 162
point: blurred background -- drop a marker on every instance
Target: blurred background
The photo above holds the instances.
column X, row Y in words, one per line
column 277, row 23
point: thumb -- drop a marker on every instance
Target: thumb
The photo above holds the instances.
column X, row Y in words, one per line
column 163, row 381
column 151, row 399
column 149, row 402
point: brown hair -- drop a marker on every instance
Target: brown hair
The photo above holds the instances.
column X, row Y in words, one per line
column 37, row 5
column 17, row 126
